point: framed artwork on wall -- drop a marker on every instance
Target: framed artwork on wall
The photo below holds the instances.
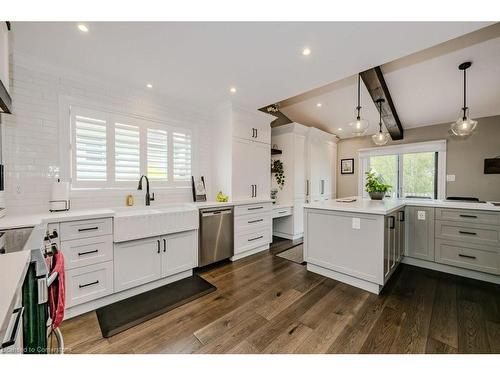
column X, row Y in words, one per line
column 347, row 166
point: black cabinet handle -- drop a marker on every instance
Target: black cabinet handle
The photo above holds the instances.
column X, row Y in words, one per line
column 467, row 256
column 88, row 252
column 254, row 208
column 307, row 187
column 89, row 284
column 401, row 216
column 164, row 245
column 469, row 216
column 255, row 221
column 256, row 238
column 13, row 336
column 255, row 190
column 158, row 243
column 87, row 229
column 282, row 212
column 256, row 133
column 469, row 233
column 392, row 222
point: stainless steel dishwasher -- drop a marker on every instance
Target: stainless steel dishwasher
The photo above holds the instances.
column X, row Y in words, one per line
column 216, row 235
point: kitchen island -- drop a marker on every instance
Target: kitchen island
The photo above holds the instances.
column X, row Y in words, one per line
column 362, row 242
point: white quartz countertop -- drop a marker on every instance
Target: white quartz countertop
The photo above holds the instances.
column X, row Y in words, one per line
column 368, row 206
column 13, row 267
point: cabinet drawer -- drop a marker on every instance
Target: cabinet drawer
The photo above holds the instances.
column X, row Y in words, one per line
column 72, row 230
column 471, row 233
column 252, row 209
column 251, row 240
column 282, row 211
column 252, row 221
column 471, row 256
column 88, row 283
column 468, row 216
column 87, row 251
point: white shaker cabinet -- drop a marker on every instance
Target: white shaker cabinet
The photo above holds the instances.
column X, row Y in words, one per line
column 180, row 252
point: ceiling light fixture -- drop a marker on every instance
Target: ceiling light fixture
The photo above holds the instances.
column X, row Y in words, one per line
column 232, row 89
column 359, row 126
column 306, row 51
column 340, row 129
column 319, row 105
column 380, row 138
column 149, row 86
column 464, row 126
column 83, row 28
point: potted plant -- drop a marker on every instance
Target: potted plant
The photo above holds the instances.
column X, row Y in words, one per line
column 279, row 173
column 375, row 185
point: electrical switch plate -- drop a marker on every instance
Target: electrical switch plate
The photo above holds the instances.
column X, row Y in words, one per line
column 421, row 215
column 450, row 177
column 356, row 223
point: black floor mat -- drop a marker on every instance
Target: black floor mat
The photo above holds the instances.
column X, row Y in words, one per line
column 124, row 314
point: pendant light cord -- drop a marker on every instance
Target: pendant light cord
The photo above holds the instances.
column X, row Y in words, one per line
column 358, row 107
column 465, row 91
column 380, row 116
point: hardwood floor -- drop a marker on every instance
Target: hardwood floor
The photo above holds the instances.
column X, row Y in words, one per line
column 266, row 304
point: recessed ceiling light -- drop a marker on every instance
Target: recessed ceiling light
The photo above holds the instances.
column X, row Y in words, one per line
column 83, row 28
column 340, row 129
column 306, row 51
column 318, row 105
column 149, row 86
column 232, row 89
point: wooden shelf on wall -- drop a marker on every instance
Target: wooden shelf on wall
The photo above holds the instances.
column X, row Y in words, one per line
column 275, row 151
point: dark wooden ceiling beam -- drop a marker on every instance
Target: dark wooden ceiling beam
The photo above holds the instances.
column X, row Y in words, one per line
column 375, row 83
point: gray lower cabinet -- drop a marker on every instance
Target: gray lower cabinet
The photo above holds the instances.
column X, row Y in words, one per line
column 420, row 232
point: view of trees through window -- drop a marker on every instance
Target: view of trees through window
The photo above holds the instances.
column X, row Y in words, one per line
column 417, row 177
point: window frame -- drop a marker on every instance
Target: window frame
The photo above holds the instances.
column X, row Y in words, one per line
column 438, row 147
column 67, row 141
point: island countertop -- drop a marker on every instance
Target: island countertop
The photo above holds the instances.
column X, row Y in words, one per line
column 368, row 206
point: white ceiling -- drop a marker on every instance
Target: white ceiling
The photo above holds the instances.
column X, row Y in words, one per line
column 198, row 62
column 426, row 88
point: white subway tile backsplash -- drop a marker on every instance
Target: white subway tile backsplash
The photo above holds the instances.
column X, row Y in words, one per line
column 31, row 136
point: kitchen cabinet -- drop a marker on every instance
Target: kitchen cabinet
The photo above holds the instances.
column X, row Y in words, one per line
column 420, row 232
column 250, row 160
column 5, row 99
column 242, row 153
column 391, row 244
column 252, row 229
column 142, row 261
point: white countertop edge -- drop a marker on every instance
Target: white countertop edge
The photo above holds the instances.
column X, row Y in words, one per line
column 368, row 206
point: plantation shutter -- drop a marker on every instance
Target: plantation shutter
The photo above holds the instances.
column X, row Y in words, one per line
column 127, row 152
column 157, row 155
column 181, row 156
column 90, row 148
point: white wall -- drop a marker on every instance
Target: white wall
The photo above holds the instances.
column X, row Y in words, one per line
column 31, row 146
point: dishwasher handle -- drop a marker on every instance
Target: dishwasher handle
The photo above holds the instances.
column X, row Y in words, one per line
column 216, row 212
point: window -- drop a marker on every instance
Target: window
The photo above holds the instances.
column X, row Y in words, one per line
column 182, row 156
column 111, row 151
column 413, row 170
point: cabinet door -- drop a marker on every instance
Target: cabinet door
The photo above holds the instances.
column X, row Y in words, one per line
column 241, row 178
column 420, row 230
column 260, row 161
column 252, row 126
column 136, row 262
column 390, row 245
column 401, row 233
column 179, row 252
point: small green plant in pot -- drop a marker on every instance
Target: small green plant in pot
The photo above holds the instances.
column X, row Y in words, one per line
column 376, row 186
column 279, row 173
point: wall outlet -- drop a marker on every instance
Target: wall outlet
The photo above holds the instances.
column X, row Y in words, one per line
column 356, row 223
column 421, row 215
column 450, row 178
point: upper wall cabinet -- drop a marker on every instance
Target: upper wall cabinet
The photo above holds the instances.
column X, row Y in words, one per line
column 251, row 126
column 5, row 100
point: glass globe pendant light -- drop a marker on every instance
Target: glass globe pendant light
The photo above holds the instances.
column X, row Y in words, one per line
column 464, row 126
column 380, row 138
column 359, row 126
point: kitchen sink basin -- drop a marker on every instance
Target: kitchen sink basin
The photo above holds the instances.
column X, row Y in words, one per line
column 131, row 223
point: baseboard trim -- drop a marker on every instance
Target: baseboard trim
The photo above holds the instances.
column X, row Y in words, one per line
column 83, row 308
column 451, row 269
column 249, row 252
column 346, row 279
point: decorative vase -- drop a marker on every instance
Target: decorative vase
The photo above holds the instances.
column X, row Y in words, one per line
column 377, row 195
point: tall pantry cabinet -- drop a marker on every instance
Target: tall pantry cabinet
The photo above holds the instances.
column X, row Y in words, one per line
column 309, row 162
column 242, row 153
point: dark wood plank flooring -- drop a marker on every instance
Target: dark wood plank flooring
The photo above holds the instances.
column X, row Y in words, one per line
column 266, row 304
